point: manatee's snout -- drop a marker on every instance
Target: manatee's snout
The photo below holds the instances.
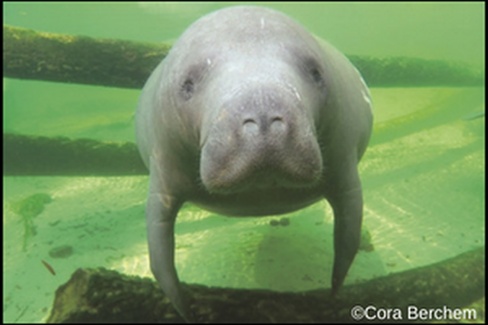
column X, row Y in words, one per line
column 260, row 139
column 263, row 118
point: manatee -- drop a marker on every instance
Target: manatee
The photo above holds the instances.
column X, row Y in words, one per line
column 249, row 114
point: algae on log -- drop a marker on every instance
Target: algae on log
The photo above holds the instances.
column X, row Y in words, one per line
column 101, row 296
column 29, row 54
column 35, row 156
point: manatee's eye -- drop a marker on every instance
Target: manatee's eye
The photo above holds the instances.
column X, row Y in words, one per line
column 312, row 70
column 187, row 88
column 193, row 79
column 316, row 76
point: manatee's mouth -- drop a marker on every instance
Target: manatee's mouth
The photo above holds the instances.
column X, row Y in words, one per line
column 233, row 169
column 266, row 179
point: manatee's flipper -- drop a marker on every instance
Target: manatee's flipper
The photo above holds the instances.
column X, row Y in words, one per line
column 347, row 205
column 161, row 211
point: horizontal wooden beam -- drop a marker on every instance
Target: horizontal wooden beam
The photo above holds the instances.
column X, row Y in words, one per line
column 42, row 156
column 29, row 54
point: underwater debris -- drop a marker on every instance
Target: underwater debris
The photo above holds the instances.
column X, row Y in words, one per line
column 274, row 222
column 63, row 251
column 27, row 209
column 21, row 314
column 282, row 222
column 474, row 116
column 48, row 267
column 103, row 296
column 54, row 223
column 366, row 243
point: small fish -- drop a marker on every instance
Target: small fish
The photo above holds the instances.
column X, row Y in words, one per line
column 48, row 267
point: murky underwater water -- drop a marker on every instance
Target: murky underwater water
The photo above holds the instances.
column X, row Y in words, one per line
column 423, row 173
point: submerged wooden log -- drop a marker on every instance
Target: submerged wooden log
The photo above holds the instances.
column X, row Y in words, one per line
column 29, row 54
column 99, row 296
column 41, row 156
column 415, row 72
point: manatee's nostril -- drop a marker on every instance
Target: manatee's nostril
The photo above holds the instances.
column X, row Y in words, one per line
column 249, row 120
column 250, row 126
column 277, row 125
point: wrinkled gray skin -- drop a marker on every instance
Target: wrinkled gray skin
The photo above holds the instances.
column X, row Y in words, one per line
column 249, row 115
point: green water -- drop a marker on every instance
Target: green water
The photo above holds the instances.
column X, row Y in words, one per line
column 423, row 173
